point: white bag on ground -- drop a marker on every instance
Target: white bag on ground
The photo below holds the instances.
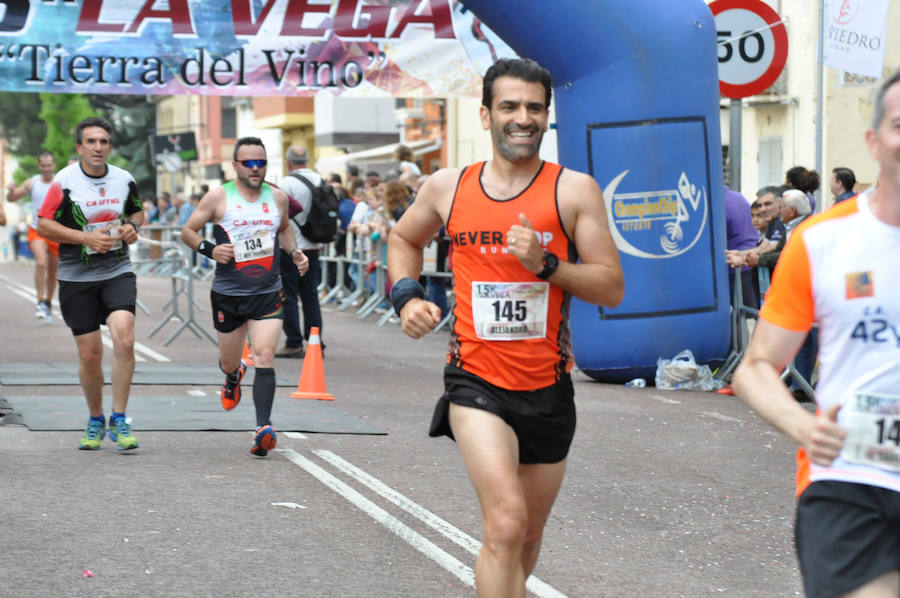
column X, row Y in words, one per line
column 683, row 373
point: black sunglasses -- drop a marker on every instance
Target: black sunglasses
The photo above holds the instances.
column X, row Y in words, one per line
column 254, row 163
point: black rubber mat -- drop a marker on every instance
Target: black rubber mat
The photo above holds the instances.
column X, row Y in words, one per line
column 181, row 413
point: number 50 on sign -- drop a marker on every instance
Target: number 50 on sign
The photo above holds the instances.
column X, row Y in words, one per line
column 752, row 46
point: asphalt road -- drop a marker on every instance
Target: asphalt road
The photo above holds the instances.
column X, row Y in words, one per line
column 667, row 493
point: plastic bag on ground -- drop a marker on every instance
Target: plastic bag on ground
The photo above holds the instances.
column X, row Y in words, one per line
column 682, row 373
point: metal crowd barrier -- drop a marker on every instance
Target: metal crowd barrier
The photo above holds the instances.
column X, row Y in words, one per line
column 740, row 336
column 160, row 252
column 363, row 256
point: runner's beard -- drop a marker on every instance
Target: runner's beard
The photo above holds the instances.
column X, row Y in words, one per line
column 250, row 184
column 515, row 152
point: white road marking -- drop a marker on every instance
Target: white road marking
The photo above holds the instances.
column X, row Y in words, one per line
column 196, row 393
column 454, row 534
column 289, row 505
column 725, row 418
column 394, row 525
column 295, row 435
column 665, row 400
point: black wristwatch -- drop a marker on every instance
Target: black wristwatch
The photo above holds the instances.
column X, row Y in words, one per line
column 134, row 225
column 550, row 263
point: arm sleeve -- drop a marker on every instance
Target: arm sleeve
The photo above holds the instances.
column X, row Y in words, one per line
column 133, row 203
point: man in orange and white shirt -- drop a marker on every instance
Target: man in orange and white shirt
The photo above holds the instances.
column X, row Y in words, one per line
column 839, row 269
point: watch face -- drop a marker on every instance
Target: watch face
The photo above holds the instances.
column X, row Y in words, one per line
column 550, row 260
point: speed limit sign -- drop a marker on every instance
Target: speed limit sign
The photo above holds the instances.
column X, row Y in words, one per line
column 752, row 46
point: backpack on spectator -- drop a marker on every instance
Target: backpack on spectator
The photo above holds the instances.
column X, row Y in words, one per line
column 322, row 221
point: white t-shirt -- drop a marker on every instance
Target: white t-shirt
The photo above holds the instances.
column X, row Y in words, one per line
column 839, row 268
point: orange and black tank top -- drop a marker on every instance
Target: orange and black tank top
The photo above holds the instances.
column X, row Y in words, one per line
column 509, row 327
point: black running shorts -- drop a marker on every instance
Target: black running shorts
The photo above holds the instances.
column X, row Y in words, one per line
column 543, row 420
column 231, row 311
column 846, row 536
column 86, row 305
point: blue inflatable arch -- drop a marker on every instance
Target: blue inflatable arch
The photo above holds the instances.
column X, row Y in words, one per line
column 637, row 107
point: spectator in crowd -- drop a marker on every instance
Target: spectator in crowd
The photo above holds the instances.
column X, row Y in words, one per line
column 167, row 213
column 794, row 210
column 368, row 225
column 182, row 207
column 396, row 199
column 805, row 180
column 769, row 199
column 759, row 222
column 842, row 182
column 740, row 237
column 345, row 212
column 373, row 179
column 304, row 288
column 404, row 157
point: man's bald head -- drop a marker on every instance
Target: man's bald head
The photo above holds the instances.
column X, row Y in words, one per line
column 296, row 156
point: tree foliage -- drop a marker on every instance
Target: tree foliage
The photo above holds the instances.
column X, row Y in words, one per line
column 134, row 120
column 31, row 122
column 61, row 113
column 20, row 124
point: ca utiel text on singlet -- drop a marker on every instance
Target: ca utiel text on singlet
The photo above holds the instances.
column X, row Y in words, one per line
column 252, row 228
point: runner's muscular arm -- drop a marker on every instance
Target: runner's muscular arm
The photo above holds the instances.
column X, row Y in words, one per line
column 757, row 382
column 418, row 225
column 598, row 279
column 210, row 208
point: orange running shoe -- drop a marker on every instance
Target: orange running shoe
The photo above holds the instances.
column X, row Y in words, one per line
column 231, row 390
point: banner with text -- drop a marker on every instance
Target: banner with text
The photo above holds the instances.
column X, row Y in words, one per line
column 855, row 35
column 360, row 48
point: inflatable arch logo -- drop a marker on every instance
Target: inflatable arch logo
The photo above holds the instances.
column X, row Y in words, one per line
column 657, row 224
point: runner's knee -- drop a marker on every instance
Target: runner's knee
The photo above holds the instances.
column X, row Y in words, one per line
column 505, row 529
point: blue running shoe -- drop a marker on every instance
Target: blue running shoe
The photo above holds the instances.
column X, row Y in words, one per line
column 264, row 441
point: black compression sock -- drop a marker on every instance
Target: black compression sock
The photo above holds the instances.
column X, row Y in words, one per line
column 263, row 394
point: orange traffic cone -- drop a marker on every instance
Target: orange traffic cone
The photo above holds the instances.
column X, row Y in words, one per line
column 247, row 355
column 312, row 377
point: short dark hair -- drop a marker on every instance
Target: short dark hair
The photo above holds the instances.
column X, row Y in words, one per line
column 44, row 153
column 93, row 121
column 845, row 177
column 246, row 141
column 517, row 68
